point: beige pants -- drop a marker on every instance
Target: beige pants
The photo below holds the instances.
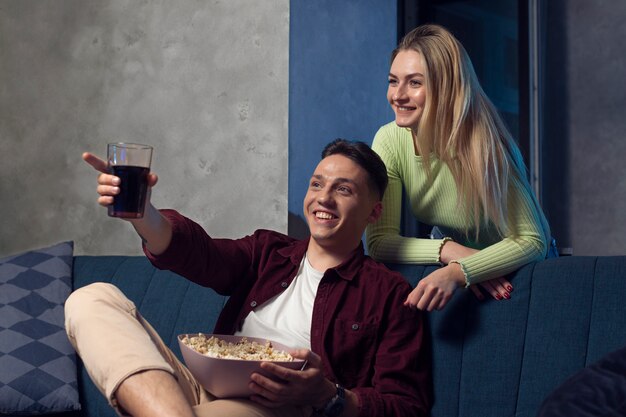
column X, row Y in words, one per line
column 115, row 342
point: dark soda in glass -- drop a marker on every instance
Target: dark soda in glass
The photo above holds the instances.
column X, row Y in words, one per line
column 130, row 202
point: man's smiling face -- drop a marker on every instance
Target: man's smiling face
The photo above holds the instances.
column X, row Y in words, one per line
column 339, row 203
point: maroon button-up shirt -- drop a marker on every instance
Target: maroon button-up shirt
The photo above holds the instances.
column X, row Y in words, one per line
column 368, row 341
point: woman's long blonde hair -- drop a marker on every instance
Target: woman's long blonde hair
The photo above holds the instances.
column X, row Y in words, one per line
column 461, row 126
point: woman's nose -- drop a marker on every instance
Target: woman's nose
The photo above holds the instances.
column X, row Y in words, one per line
column 399, row 93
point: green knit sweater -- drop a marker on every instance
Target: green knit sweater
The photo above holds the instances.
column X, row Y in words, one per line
column 435, row 203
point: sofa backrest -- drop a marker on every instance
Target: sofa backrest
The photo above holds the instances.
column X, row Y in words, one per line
column 490, row 358
column 501, row 358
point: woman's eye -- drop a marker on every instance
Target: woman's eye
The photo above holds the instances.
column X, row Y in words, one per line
column 415, row 83
column 392, row 81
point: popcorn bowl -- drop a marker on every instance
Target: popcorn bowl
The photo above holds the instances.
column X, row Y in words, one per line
column 229, row 378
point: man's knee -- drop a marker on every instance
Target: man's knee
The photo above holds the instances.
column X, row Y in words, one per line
column 83, row 302
column 87, row 295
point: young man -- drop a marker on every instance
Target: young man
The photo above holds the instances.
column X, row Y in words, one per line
column 366, row 351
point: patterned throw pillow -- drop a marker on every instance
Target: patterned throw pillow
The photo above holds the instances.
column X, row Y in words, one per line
column 37, row 363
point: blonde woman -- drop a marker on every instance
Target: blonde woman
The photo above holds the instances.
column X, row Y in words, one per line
column 461, row 171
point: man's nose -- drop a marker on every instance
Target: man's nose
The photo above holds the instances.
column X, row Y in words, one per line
column 325, row 196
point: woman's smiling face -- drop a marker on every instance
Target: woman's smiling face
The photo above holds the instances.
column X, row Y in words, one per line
column 407, row 88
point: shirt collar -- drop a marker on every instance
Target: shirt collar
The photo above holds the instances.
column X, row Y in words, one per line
column 346, row 270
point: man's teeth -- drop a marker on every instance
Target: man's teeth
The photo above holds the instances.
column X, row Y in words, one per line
column 324, row 215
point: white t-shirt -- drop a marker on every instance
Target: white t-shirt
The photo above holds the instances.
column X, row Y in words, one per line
column 286, row 317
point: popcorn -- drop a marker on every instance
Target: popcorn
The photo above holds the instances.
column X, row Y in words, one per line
column 244, row 349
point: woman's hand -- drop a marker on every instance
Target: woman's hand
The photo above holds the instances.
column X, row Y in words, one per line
column 434, row 291
column 498, row 288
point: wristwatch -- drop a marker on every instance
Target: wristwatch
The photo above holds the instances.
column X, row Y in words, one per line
column 334, row 407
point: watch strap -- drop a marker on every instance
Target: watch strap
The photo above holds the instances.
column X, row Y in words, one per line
column 334, row 407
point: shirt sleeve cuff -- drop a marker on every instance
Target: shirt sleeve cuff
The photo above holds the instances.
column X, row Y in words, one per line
column 467, row 281
column 443, row 242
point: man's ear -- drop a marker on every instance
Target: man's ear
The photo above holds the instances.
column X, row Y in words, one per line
column 377, row 211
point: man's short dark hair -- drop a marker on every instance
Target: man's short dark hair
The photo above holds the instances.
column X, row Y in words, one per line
column 363, row 156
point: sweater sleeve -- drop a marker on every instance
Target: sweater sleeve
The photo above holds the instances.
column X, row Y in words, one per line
column 511, row 253
column 384, row 242
column 496, row 259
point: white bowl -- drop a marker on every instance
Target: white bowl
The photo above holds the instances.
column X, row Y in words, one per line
column 228, row 378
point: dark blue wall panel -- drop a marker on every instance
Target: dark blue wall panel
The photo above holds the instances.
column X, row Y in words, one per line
column 338, row 65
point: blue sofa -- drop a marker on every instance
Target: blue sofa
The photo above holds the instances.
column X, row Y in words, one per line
column 491, row 358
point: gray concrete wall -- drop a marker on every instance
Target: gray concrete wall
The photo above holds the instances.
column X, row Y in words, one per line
column 584, row 190
column 205, row 83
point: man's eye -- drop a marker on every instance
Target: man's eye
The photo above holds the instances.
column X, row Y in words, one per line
column 315, row 184
column 344, row 190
